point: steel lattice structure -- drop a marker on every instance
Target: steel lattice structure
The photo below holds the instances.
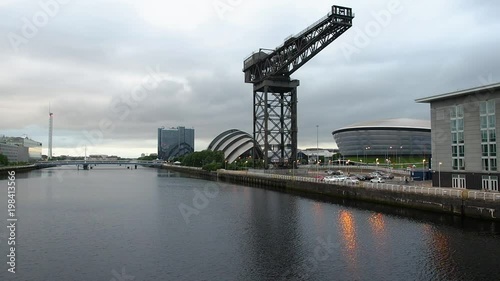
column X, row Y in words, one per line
column 275, row 94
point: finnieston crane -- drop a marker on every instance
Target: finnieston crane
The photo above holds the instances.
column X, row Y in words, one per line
column 275, row 93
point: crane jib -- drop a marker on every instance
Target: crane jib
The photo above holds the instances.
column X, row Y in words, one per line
column 298, row 49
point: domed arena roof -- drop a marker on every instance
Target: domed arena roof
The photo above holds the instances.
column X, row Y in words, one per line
column 385, row 138
column 399, row 123
column 233, row 143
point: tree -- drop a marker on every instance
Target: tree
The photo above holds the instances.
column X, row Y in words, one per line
column 209, row 160
column 4, row 160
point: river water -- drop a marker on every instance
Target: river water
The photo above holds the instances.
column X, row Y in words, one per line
column 114, row 224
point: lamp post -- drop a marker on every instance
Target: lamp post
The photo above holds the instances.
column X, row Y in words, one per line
column 361, row 165
column 439, row 173
column 317, row 150
column 423, row 171
column 398, row 159
column 366, row 148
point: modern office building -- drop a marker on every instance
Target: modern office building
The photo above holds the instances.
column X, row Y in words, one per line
column 464, row 145
column 388, row 138
column 19, row 149
column 175, row 142
column 14, row 153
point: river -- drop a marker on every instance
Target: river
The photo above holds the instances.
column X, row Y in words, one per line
column 115, row 224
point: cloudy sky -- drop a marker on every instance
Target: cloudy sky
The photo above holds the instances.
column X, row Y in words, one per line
column 113, row 71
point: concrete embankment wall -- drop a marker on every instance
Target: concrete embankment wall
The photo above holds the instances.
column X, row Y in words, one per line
column 18, row 169
column 457, row 205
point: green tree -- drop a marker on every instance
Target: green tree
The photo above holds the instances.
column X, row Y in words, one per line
column 4, row 160
column 207, row 159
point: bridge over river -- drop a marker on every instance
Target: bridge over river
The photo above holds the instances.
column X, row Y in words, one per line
column 86, row 164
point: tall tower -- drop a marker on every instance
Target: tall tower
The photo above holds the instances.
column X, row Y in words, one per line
column 51, row 126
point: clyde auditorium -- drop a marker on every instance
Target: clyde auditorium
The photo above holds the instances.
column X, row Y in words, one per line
column 410, row 137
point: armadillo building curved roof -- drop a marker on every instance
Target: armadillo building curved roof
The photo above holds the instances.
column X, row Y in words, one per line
column 233, row 143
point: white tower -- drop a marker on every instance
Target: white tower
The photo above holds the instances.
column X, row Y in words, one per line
column 51, row 124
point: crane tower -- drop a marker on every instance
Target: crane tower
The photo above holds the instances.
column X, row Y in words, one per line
column 275, row 93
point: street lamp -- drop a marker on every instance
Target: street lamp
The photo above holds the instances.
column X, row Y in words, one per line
column 423, row 170
column 439, row 173
column 317, row 150
column 366, row 148
column 361, row 165
column 398, row 159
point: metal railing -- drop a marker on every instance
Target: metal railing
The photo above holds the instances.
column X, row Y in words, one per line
column 435, row 191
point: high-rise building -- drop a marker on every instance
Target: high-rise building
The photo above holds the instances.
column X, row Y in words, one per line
column 175, row 142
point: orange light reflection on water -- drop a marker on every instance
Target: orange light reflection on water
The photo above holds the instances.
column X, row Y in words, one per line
column 348, row 235
column 318, row 216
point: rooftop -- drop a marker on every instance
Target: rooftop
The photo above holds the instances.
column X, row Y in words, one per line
column 476, row 90
column 390, row 123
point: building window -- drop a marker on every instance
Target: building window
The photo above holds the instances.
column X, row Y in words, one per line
column 457, row 137
column 458, row 181
column 490, row 183
column 488, row 135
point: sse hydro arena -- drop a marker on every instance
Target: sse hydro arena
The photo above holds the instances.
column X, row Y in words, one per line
column 388, row 138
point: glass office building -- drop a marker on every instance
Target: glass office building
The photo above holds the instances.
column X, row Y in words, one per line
column 175, row 142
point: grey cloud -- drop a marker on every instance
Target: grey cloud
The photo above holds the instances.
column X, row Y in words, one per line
column 88, row 52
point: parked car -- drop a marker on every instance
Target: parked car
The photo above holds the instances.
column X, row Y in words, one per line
column 352, row 180
column 334, row 178
column 377, row 180
column 388, row 176
column 360, row 177
column 338, row 172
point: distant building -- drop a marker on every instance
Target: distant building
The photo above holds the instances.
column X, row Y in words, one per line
column 464, row 145
column 312, row 155
column 102, row 157
column 235, row 144
column 27, row 149
column 390, row 138
column 14, row 153
column 175, row 142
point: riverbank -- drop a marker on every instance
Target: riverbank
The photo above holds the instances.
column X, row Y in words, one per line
column 17, row 169
column 459, row 202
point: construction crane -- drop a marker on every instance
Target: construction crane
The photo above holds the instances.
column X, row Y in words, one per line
column 275, row 93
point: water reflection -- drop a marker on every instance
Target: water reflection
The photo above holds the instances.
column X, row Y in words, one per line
column 350, row 245
column 101, row 220
column 273, row 234
column 319, row 216
column 379, row 232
